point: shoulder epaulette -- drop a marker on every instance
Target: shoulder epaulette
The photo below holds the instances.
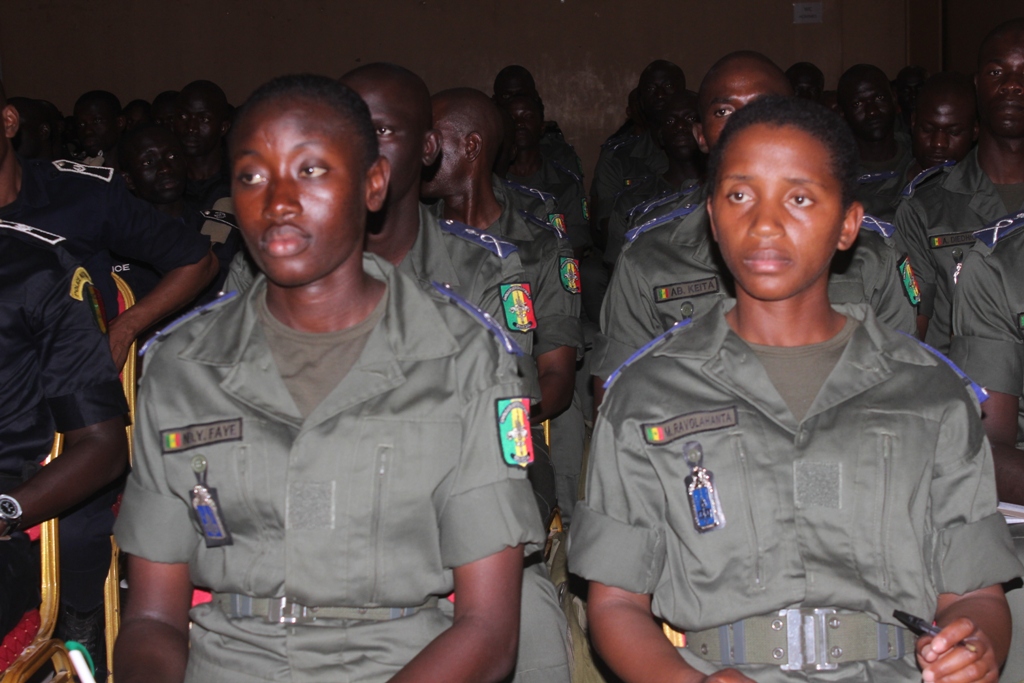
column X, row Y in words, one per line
column 878, row 177
column 875, row 225
column 643, row 349
column 924, row 175
column 47, row 237
column 543, row 223
column 481, row 316
column 661, row 199
column 997, row 230
column 979, row 391
column 194, row 313
column 684, row 210
column 529, row 191
column 614, row 143
column 101, row 172
column 491, row 243
column 220, row 217
column 563, row 169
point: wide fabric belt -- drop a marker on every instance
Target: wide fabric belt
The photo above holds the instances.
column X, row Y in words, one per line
column 802, row 639
column 287, row 611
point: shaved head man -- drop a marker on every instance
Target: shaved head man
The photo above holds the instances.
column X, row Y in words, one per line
column 944, row 126
column 203, row 120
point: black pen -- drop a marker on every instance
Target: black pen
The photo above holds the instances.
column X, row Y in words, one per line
column 922, row 627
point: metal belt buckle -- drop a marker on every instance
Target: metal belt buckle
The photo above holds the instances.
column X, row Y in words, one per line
column 285, row 611
column 807, row 639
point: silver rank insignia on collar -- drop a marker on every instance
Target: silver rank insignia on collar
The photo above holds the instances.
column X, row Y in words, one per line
column 700, row 489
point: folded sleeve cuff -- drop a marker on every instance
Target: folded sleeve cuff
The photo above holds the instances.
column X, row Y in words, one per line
column 555, row 331
column 972, row 556
column 613, row 552
column 487, row 519
column 154, row 526
column 88, row 406
column 992, row 363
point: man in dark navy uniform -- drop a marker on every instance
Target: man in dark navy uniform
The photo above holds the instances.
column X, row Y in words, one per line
column 93, row 209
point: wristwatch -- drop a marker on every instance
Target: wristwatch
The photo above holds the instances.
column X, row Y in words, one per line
column 10, row 513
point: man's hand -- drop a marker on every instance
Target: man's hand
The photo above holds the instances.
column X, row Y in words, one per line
column 945, row 658
column 120, row 337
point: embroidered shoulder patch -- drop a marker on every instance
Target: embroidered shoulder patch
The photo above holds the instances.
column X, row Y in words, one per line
column 1020, row 321
column 495, row 245
column 517, row 301
column 910, row 287
column 569, row 272
column 668, row 431
column 100, row 172
column 680, row 290
column 679, row 212
column 558, row 220
column 175, row 324
column 47, row 237
column 540, row 222
column 875, row 225
column 951, row 239
column 586, row 209
column 481, row 316
column 194, row 436
column 514, row 431
column 92, row 297
column 924, row 175
column 997, row 230
column 79, row 280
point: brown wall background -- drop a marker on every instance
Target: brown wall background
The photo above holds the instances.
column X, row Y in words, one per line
column 586, row 55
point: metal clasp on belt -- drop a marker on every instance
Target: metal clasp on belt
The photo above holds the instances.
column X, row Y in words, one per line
column 807, row 639
column 286, row 611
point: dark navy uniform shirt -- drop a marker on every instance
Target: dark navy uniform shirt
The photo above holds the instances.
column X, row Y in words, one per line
column 93, row 209
column 56, row 371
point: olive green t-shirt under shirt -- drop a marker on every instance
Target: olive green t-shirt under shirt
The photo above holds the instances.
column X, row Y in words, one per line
column 312, row 364
column 799, row 372
column 1012, row 196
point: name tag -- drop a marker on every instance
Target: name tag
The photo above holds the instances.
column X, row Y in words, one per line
column 193, row 436
column 680, row 290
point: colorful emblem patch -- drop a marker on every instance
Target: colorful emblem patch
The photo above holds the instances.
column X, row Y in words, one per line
column 92, row 297
column 193, row 436
column 950, row 239
column 514, row 431
column 557, row 220
column 79, row 280
column 1020, row 321
column 569, row 272
column 517, row 301
column 586, row 209
column 690, row 423
column 909, row 281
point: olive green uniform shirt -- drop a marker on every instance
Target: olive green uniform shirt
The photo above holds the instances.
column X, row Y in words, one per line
column 396, row 478
column 936, row 221
column 988, row 313
column 566, row 186
column 634, row 204
column 881, row 498
column 623, row 162
column 879, row 189
column 670, row 270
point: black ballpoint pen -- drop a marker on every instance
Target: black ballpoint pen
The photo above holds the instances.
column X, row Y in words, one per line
column 922, row 627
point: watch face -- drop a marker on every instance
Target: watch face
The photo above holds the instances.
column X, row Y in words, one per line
column 9, row 508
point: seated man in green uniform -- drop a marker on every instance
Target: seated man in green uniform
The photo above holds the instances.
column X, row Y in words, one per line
column 672, row 129
column 430, row 250
column 807, row 80
column 938, row 218
column 623, row 161
column 779, row 476
column 547, row 302
column 944, row 126
column 330, row 451
column 866, row 101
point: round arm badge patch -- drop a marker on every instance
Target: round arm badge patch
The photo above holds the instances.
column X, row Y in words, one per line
column 514, row 431
column 569, row 272
column 517, row 302
column 82, row 289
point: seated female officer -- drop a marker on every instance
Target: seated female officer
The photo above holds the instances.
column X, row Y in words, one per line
column 780, row 475
column 328, row 452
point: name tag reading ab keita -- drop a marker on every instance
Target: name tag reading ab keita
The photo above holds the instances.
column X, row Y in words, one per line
column 700, row 489
column 206, row 507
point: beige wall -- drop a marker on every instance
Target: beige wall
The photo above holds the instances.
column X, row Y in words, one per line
column 585, row 54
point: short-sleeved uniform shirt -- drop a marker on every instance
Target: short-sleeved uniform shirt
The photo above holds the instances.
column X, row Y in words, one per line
column 396, row 478
column 881, row 498
column 988, row 313
column 670, row 270
column 92, row 208
column 57, row 373
column 936, row 221
column 571, row 209
column 623, row 162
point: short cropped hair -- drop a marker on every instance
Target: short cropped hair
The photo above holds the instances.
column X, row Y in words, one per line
column 819, row 122
column 103, row 97
column 349, row 109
